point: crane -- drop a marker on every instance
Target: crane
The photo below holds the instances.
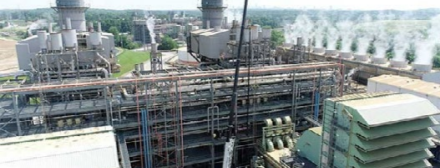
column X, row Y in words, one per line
column 231, row 130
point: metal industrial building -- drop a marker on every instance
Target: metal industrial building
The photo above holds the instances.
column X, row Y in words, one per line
column 353, row 135
column 80, row 148
column 72, row 52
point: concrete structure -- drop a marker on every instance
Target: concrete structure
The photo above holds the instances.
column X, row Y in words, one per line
column 212, row 13
column 377, row 130
column 73, row 9
column 81, row 148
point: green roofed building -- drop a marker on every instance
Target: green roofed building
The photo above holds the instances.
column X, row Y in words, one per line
column 379, row 130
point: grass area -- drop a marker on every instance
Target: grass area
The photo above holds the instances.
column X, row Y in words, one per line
column 127, row 59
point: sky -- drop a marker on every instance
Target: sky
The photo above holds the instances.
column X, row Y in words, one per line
column 192, row 4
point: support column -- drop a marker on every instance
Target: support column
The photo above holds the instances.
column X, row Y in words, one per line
column 17, row 113
column 107, row 115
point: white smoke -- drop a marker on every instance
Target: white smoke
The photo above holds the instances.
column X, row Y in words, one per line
column 401, row 43
column 39, row 24
column 319, row 31
column 425, row 45
column 347, row 34
column 302, row 27
column 150, row 26
column 381, row 42
column 364, row 34
column 332, row 37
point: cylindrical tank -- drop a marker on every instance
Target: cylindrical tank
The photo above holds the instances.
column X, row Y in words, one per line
column 142, row 66
column 99, row 27
column 398, row 64
column 361, row 58
column 95, row 38
column 422, row 67
column 288, row 121
column 319, row 50
column 346, row 55
column 254, row 34
column 137, row 67
column 267, row 33
column 212, row 11
column 56, row 42
column 42, row 39
column 299, row 41
column 379, row 60
column 69, row 37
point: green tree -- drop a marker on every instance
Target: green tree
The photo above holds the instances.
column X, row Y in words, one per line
column 114, row 30
column 277, row 38
column 167, row 44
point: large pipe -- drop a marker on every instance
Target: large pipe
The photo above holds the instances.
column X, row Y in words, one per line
column 68, row 24
column 109, row 65
column 99, row 27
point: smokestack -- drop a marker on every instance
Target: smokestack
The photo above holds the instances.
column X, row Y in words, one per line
column 208, row 24
column 99, row 27
column 50, row 28
column 68, row 23
column 90, row 26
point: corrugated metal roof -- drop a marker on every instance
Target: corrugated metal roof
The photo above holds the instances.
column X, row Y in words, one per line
column 396, row 161
column 416, row 85
column 391, row 109
column 87, row 148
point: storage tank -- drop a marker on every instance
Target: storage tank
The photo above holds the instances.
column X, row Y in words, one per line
column 254, row 30
column 95, row 38
column 245, row 36
column 69, row 37
column 56, row 42
column 267, row 33
column 42, row 40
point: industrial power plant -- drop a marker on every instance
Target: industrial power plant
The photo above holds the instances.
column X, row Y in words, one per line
column 230, row 99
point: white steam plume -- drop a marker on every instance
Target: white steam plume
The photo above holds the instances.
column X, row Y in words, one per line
column 364, row 34
column 332, row 37
column 150, row 26
column 319, row 31
column 347, row 34
column 302, row 27
column 425, row 46
column 401, row 43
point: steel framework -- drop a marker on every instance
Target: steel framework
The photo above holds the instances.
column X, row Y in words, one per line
column 172, row 118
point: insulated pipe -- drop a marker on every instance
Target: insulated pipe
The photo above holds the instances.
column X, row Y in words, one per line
column 68, row 24
column 99, row 27
column 109, row 65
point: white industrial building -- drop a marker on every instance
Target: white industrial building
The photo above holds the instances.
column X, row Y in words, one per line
column 82, row 148
column 72, row 52
column 399, row 84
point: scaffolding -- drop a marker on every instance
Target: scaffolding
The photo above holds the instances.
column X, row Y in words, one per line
column 173, row 118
